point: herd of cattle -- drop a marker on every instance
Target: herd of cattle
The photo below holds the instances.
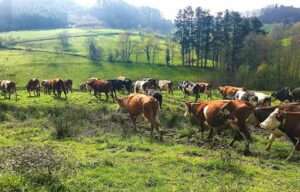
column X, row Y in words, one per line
column 242, row 110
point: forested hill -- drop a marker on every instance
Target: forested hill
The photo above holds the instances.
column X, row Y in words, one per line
column 280, row 14
column 48, row 14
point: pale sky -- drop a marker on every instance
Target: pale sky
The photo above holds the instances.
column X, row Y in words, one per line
column 169, row 8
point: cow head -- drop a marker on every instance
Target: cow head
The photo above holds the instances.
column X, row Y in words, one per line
column 273, row 121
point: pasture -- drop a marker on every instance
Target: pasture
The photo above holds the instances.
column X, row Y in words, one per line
column 78, row 144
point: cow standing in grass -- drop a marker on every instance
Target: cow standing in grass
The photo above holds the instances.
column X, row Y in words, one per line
column 101, row 86
column 59, row 87
column 189, row 88
column 47, row 86
column 139, row 104
column 166, row 85
column 34, row 86
column 8, row 87
column 68, row 85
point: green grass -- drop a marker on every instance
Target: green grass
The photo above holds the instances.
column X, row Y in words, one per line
column 106, row 161
column 98, row 156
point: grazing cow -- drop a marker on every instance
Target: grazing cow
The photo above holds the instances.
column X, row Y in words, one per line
column 101, row 86
column 156, row 94
column 138, row 104
column 275, row 133
column 286, row 123
column 47, row 86
column 166, row 85
column 228, row 92
column 205, row 88
column 217, row 114
column 283, row 94
column 145, row 84
column 190, row 88
column 83, row 87
column 69, row 85
column 119, row 85
column 34, row 86
column 7, row 86
column 59, row 87
column 296, row 94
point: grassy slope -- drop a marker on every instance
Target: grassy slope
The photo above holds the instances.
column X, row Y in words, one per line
column 108, row 162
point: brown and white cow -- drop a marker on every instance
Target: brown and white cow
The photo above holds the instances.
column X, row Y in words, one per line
column 228, row 92
column 166, row 85
column 101, row 86
column 262, row 113
column 217, row 114
column 8, row 87
column 34, row 86
column 205, row 88
column 285, row 123
column 139, row 104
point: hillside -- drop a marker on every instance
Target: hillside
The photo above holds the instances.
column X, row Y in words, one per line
column 39, row 54
column 79, row 144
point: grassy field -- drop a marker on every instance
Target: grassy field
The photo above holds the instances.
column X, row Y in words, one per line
column 78, row 144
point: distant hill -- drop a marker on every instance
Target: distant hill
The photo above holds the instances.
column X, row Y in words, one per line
column 49, row 14
column 120, row 14
column 279, row 14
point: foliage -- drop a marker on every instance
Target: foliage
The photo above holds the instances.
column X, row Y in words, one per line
column 121, row 15
column 218, row 39
column 280, row 14
column 95, row 52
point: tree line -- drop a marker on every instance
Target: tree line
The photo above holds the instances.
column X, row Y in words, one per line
column 209, row 41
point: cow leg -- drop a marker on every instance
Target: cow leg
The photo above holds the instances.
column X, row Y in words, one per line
column 271, row 140
column 247, row 144
column 133, row 119
column 196, row 97
column 293, row 150
column 107, row 97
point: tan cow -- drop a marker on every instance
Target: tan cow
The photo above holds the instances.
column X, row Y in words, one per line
column 139, row 104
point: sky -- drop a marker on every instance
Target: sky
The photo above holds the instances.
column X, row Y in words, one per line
column 169, row 8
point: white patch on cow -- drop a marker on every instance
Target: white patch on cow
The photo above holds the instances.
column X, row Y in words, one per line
column 261, row 97
column 205, row 111
column 271, row 122
column 239, row 95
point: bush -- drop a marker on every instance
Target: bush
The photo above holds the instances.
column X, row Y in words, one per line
column 64, row 40
column 67, row 122
column 41, row 165
column 95, row 52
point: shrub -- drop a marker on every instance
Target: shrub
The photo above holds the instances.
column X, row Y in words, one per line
column 41, row 165
column 95, row 52
column 67, row 122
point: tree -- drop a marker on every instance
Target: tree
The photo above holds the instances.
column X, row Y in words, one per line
column 95, row 52
column 64, row 40
column 126, row 46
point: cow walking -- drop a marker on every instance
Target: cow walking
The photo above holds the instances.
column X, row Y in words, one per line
column 139, row 104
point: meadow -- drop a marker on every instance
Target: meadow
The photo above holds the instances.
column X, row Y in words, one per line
column 79, row 143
